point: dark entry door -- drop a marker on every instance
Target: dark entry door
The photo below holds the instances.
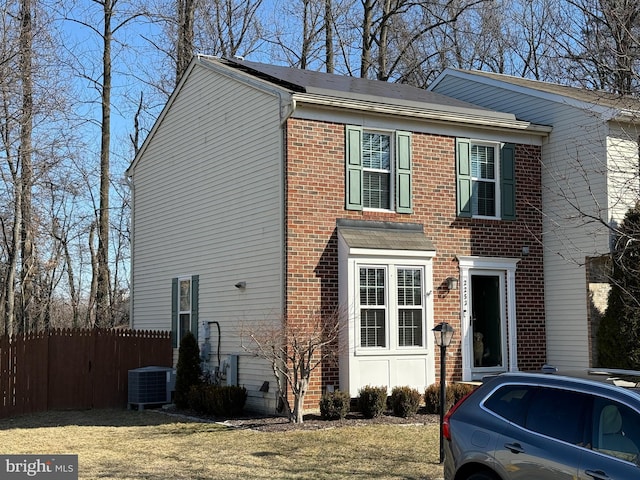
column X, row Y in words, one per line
column 486, row 321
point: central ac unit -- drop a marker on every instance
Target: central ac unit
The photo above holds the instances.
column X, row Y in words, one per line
column 150, row 386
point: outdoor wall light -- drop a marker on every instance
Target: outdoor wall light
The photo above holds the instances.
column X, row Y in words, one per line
column 241, row 285
column 452, row 283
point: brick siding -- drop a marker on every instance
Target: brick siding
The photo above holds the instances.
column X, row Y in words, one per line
column 315, row 198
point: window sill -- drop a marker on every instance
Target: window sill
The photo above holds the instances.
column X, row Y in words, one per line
column 387, row 352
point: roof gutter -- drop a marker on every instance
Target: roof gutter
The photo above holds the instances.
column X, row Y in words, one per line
column 466, row 118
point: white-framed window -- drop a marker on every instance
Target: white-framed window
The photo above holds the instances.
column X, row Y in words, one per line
column 377, row 183
column 391, row 306
column 378, row 170
column 484, row 176
column 184, row 307
column 486, row 184
column 410, row 307
column 373, row 306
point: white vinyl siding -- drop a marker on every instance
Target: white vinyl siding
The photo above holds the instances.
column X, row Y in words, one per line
column 207, row 196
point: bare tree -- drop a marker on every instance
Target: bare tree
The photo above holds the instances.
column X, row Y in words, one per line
column 295, row 349
column 25, row 153
column 602, row 45
column 112, row 20
column 184, row 50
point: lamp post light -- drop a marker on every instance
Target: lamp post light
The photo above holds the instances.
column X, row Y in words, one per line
column 443, row 333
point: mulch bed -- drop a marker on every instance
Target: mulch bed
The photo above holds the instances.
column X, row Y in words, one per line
column 312, row 421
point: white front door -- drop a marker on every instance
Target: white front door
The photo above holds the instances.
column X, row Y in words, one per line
column 487, row 315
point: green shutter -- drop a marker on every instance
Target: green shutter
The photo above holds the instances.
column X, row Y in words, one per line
column 463, row 172
column 195, row 280
column 403, row 172
column 174, row 312
column 508, row 181
column 353, row 161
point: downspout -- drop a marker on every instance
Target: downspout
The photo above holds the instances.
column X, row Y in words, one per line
column 284, row 117
column 129, row 180
column 286, row 111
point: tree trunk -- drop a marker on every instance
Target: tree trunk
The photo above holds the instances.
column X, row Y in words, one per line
column 186, row 14
column 328, row 36
column 298, row 403
column 103, row 317
column 367, row 20
column 25, row 154
column 12, row 267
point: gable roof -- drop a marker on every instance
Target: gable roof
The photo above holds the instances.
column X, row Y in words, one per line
column 618, row 105
column 343, row 92
column 309, row 81
column 373, row 96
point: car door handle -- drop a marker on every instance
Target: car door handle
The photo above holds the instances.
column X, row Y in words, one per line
column 597, row 474
column 514, row 447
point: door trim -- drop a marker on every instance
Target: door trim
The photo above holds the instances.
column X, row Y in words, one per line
column 497, row 265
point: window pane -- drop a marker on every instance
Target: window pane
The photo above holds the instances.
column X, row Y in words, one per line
column 410, row 328
column 409, row 286
column 482, row 162
column 372, row 328
column 375, row 189
column 185, row 295
column 376, row 151
column 484, row 198
column 372, row 286
column 185, row 324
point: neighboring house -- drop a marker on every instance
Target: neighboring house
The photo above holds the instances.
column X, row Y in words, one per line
column 266, row 192
column 590, row 180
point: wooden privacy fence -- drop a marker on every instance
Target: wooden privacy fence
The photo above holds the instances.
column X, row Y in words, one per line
column 75, row 369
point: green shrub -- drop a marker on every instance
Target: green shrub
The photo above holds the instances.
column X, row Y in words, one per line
column 218, row 400
column 372, row 401
column 405, row 401
column 334, row 405
column 454, row 392
column 188, row 370
column 460, row 390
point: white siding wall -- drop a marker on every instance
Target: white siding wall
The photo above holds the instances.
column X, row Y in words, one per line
column 622, row 149
column 574, row 181
column 208, row 202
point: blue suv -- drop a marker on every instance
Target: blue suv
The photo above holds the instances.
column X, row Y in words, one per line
column 518, row 426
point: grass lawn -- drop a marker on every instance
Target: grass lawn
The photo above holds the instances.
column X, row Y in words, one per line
column 127, row 444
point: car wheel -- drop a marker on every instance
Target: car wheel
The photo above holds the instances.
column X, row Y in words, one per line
column 482, row 476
